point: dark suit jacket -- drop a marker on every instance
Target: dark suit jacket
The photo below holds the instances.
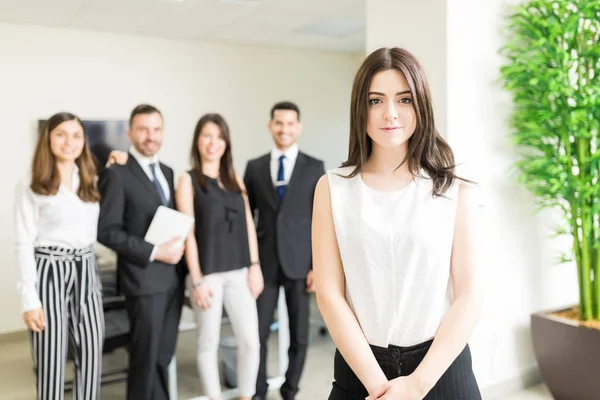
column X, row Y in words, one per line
column 283, row 230
column 127, row 206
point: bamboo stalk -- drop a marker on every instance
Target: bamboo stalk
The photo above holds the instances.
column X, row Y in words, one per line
column 597, row 284
column 578, row 264
column 586, row 311
column 595, row 270
column 575, row 212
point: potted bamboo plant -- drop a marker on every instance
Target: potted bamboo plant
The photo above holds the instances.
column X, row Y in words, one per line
column 553, row 75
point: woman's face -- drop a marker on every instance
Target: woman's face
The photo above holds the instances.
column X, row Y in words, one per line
column 211, row 143
column 391, row 115
column 67, row 141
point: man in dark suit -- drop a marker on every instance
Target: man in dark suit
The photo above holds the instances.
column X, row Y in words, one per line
column 280, row 187
column 150, row 277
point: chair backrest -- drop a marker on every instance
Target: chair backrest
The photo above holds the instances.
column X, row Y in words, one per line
column 116, row 321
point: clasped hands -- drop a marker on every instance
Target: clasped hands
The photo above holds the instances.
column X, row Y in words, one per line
column 402, row 388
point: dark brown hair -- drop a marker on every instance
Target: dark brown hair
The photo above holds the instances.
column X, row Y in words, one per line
column 143, row 109
column 226, row 170
column 285, row 105
column 46, row 178
column 426, row 147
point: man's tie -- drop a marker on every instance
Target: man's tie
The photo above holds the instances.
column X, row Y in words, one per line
column 281, row 186
column 159, row 188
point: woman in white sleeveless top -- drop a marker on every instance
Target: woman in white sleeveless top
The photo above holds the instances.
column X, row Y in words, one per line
column 394, row 246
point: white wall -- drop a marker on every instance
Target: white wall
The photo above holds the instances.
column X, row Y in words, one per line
column 520, row 269
column 103, row 76
column 392, row 23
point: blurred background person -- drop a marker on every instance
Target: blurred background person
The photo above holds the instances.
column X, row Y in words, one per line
column 57, row 209
column 150, row 277
column 280, row 187
column 221, row 255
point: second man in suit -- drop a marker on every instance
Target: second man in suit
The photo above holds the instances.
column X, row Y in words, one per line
column 150, row 277
column 280, row 188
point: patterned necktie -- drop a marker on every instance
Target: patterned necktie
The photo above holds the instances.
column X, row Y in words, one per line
column 159, row 188
column 281, row 186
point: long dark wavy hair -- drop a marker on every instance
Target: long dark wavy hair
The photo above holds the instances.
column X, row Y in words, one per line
column 226, row 170
column 45, row 177
column 426, row 147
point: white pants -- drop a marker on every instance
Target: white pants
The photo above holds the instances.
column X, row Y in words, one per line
column 231, row 290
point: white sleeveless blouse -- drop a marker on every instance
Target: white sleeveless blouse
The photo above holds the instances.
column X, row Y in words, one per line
column 395, row 249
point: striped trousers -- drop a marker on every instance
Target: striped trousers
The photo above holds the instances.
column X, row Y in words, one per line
column 71, row 294
column 457, row 383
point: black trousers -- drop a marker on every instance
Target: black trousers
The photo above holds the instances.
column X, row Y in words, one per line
column 297, row 301
column 457, row 383
column 154, row 323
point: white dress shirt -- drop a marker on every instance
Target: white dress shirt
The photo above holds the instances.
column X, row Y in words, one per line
column 61, row 220
column 145, row 164
column 289, row 162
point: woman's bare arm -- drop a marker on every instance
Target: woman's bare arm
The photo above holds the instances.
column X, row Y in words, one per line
column 330, row 284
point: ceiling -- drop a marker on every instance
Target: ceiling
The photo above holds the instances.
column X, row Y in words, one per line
column 337, row 25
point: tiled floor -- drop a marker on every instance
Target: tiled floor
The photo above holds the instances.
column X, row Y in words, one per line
column 536, row 393
column 17, row 382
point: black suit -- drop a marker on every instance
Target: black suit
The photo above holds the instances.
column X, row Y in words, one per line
column 284, row 243
column 153, row 290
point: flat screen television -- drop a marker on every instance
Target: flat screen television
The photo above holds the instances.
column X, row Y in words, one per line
column 103, row 137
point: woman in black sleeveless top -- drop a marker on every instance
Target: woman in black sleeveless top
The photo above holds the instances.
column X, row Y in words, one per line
column 221, row 231
column 222, row 256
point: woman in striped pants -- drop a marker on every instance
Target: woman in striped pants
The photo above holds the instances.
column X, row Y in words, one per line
column 56, row 221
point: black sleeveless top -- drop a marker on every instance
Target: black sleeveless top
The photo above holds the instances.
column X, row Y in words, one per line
column 221, row 228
